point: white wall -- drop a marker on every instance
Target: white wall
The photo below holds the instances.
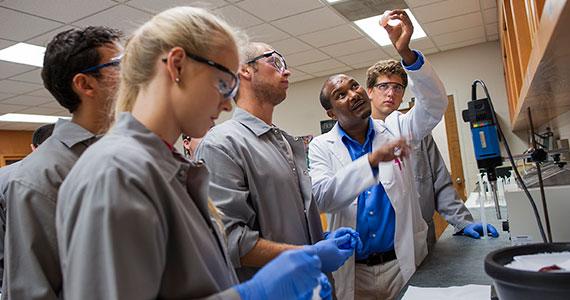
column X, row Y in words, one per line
column 301, row 112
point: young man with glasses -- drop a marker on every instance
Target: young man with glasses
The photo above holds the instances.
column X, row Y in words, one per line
column 80, row 71
column 363, row 186
column 259, row 179
column 386, row 81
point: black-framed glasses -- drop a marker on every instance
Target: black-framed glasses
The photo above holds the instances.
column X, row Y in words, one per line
column 227, row 86
column 276, row 59
column 113, row 62
column 395, row 86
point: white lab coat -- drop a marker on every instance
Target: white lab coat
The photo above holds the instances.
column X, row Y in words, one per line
column 337, row 180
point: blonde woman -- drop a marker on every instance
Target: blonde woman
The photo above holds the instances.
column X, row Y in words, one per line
column 134, row 218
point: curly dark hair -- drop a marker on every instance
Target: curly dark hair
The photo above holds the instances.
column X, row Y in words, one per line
column 385, row 67
column 68, row 53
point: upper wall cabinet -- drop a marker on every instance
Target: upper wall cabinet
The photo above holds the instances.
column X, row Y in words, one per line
column 535, row 41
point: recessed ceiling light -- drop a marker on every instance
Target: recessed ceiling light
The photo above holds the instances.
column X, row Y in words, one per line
column 23, row 53
column 30, row 118
column 371, row 26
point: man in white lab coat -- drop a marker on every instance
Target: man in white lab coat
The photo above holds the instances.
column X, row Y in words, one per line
column 379, row 199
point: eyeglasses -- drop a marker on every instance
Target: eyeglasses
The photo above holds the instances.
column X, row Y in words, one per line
column 385, row 86
column 112, row 63
column 228, row 86
column 276, row 59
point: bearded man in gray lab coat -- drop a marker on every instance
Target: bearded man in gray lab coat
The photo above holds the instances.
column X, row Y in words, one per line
column 432, row 178
column 258, row 175
column 81, row 72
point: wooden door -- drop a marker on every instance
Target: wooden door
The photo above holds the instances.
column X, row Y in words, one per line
column 456, row 171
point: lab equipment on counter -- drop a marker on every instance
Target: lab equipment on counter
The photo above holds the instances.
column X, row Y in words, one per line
column 513, row 284
column 486, row 132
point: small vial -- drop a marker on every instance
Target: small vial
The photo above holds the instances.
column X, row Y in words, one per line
column 385, row 19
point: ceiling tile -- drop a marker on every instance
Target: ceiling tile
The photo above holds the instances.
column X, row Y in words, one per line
column 34, row 76
column 491, row 15
column 445, row 9
column 417, row 3
column 4, row 96
column 45, row 38
column 488, row 4
column 265, row 33
column 238, row 17
column 62, row 113
column 120, row 17
column 64, row 11
column 18, row 26
column 331, row 36
column 53, row 104
column 270, row 10
column 492, row 28
column 26, row 100
column 39, row 110
column 290, row 46
column 297, row 75
column 430, row 51
column 321, row 66
column 300, row 78
column 305, row 57
column 365, row 56
column 321, row 18
column 155, row 7
column 453, row 24
column 9, row 108
column 422, row 44
column 8, row 69
column 349, row 47
column 364, row 65
column 338, row 70
column 42, row 92
column 16, row 87
column 462, row 44
column 458, row 36
column 6, row 43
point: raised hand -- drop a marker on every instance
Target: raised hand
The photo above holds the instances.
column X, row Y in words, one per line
column 400, row 33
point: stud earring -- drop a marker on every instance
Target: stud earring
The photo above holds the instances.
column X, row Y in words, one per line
column 177, row 80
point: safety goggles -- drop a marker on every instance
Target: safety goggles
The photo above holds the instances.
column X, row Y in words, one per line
column 386, row 86
column 228, row 84
column 112, row 63
column 274, row 58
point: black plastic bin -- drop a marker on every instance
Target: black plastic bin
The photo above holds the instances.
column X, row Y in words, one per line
column 512, row 284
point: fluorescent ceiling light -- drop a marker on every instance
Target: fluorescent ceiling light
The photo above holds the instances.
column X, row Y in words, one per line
column 333, row 1
column 23, row 53
column 30, row 118
column 371, row 26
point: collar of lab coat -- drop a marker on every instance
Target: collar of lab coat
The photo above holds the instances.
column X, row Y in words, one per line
column 171, row 161
column 70, row 134
column 250, row 121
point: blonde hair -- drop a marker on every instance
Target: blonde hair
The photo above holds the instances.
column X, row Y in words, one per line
column 194, row 29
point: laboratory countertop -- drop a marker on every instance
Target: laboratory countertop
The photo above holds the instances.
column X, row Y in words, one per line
column 458, row 260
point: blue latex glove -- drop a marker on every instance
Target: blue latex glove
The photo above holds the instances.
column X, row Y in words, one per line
column 475, row 230
column 326, row 288
column 290, row 275
column 355, row 242
column 325, row 292
column 331, row 254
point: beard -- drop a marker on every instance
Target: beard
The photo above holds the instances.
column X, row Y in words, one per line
column 266, row 92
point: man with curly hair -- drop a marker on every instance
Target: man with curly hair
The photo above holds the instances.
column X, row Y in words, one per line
column 80, row 71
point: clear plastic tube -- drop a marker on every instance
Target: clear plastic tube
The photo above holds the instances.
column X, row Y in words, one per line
column 482, row 200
